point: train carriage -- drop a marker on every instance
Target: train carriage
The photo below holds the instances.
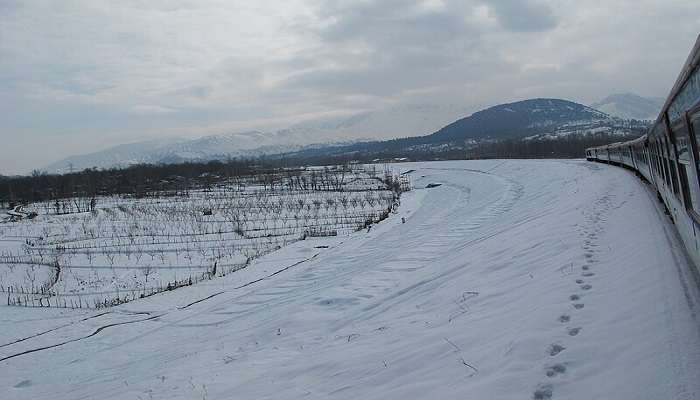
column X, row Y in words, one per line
column 668, row 156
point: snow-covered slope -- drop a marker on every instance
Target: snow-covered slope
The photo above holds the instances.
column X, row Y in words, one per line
column 178, row 150
column 389, row 123
column 403, row 121
column 121, row 155
column 521, row 119
column 511, row 280
column 630, row 106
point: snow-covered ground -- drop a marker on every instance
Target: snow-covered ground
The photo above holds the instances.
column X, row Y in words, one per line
column 128, row 248
column 511, row 280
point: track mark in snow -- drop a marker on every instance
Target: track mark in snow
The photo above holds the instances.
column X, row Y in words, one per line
column 574, row 297
column 100, row 329
column 543, row 392
column 556, row 349
column 200, row 300
column 586, row 287
column 23, row 384
column 555, row 370
column 339, row 302
column 578, row 306
column 458, row 350
column 564, row 318
column 574, row 331
column 53, row 329
column 277, row 272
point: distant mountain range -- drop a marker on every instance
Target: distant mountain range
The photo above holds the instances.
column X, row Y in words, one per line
column 522, row 119
column 527, row 120
column 630, row 106
column 379, row 132
column 410, row 120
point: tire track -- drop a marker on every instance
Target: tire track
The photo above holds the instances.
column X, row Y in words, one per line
column 52, row 330
column 98, row 330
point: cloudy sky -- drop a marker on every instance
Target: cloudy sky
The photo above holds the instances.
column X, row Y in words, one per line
column 81, row 75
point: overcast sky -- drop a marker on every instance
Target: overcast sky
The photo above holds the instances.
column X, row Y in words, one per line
column 81, row 75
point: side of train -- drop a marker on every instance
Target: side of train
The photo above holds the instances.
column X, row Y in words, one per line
column 668, row 156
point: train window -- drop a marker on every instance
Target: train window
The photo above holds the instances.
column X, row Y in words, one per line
column 654, row 160
column 641, row 159
column 663, row 157
column 657, row 157
column 687, row 97
column 695, row 132
column 645, row 155
column 661, row 169
column 691, row 192
column 670, row 158
column 664, row 161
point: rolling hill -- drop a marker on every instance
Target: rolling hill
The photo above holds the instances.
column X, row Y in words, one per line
column 382, row 124
column 367, row 134
column 630, row 106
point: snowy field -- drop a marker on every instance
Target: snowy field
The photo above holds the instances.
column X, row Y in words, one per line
column 130, row 248
column 511, row 280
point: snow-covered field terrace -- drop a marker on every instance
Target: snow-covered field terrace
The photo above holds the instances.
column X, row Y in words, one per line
column 510, row 280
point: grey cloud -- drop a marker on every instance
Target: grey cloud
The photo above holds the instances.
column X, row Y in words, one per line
column 92, row 70
column 195, row 91
column 523, row 15
column 392, row 22
column 383, row 48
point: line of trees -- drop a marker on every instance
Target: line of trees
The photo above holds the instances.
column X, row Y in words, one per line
column 572, row 146
column 137, row 180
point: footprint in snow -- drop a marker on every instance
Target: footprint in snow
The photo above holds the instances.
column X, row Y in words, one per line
column 578, row 306
column 587, row 274
column 574, row 331
column 556, row 349
column 564, row 318
column 543, row 392
column 23, row 384
column 555, row 370
column 579, row 281
column 586, row 287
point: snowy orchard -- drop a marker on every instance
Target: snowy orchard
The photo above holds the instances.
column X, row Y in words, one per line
column 128, row 248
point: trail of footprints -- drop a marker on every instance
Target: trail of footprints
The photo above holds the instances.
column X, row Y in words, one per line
column 595, row 224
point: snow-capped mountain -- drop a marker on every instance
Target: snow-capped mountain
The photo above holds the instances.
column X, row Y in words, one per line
column 400, row 121
column 175, row 150
column 527, row 121
column 521, row 119
column 630, row 106
column 117, row 156
column 389, row 123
